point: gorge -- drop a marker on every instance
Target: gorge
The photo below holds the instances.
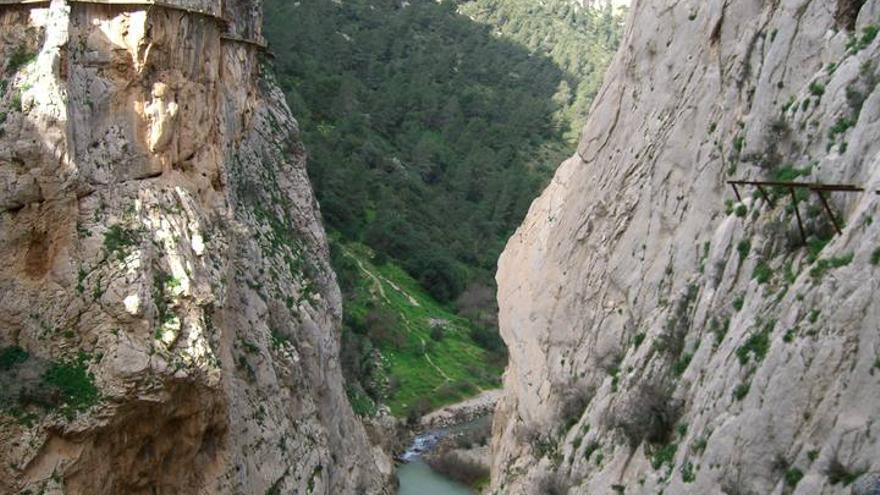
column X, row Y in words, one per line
column 181, row 313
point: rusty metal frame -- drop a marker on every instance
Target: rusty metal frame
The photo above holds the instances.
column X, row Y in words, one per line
column 818, row 188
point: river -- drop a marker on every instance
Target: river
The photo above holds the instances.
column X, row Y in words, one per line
column 417, row 478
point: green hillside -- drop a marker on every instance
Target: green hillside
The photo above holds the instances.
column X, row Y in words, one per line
column 427, row 355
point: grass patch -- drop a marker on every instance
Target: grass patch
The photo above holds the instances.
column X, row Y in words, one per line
column 823, row 265
column 757, row 345
column 688, row 474
column 425, row 372
column 665, row 455
column 118, row 239
column 814, row 248
column 738, row 302
column 11, row 356
column 840, row 126
column 638, row 339
column 793, row 476
column 361, row 403
column 19, row 58
column 743, row 248
column 858, row 43
column 788, row 173
column 741, row 391
column 682, row 364
column 738, row 143
column 762, row 272
column 75, row 384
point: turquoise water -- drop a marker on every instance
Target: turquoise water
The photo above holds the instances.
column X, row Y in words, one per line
column 416, row 478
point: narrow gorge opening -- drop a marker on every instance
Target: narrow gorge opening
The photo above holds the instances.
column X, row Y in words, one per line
column 411, row 247
column 430, row 129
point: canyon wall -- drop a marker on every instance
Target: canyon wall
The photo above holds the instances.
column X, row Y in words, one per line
column 666, row 337
column 168, row 316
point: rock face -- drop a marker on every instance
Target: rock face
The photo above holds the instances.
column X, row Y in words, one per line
column 168, row 316
column 663, row 336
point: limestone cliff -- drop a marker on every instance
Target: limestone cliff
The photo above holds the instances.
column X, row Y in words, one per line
column 663, row 336
column 168, row 316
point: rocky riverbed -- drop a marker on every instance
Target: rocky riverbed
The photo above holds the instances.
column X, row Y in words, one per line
column 462, row 412
column 450, row 451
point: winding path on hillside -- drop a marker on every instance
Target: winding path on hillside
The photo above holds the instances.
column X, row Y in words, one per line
column 377, row 282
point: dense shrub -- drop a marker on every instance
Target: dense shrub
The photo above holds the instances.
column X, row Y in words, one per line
column 649, row 413
column 574, row 399
column 453, row 466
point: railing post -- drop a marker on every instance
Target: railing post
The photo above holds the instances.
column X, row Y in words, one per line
column 828, row 211
column 797, row 213
column 766, row 197
column 736, row 191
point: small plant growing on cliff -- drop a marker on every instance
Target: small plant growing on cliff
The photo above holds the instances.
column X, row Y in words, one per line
column 738, row 143
column 837, row 472
column 649, row 414
column 74, row 383
column 688, row 474
column 757, row 345
column 817, row 89
column 16, row 102
column 741, row 210
column 741, row 391
column 118, row 239
column 762, row 272
column 719, row 329
column 639, row 338
column 823, row 265
column 552, row 484
column 743, row 248
column 858, row 43
column 875, row 257
column 840, row 126
column 682, row 364
column 590, row 448
column 738, row 302
column 19, row 58
column 665, row 455
column 11, row 356
column 793, row 476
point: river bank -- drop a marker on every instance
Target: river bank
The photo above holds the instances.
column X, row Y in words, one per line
column 461, row 412
column 449, row 454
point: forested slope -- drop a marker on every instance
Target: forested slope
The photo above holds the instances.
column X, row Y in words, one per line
column 429, row 133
